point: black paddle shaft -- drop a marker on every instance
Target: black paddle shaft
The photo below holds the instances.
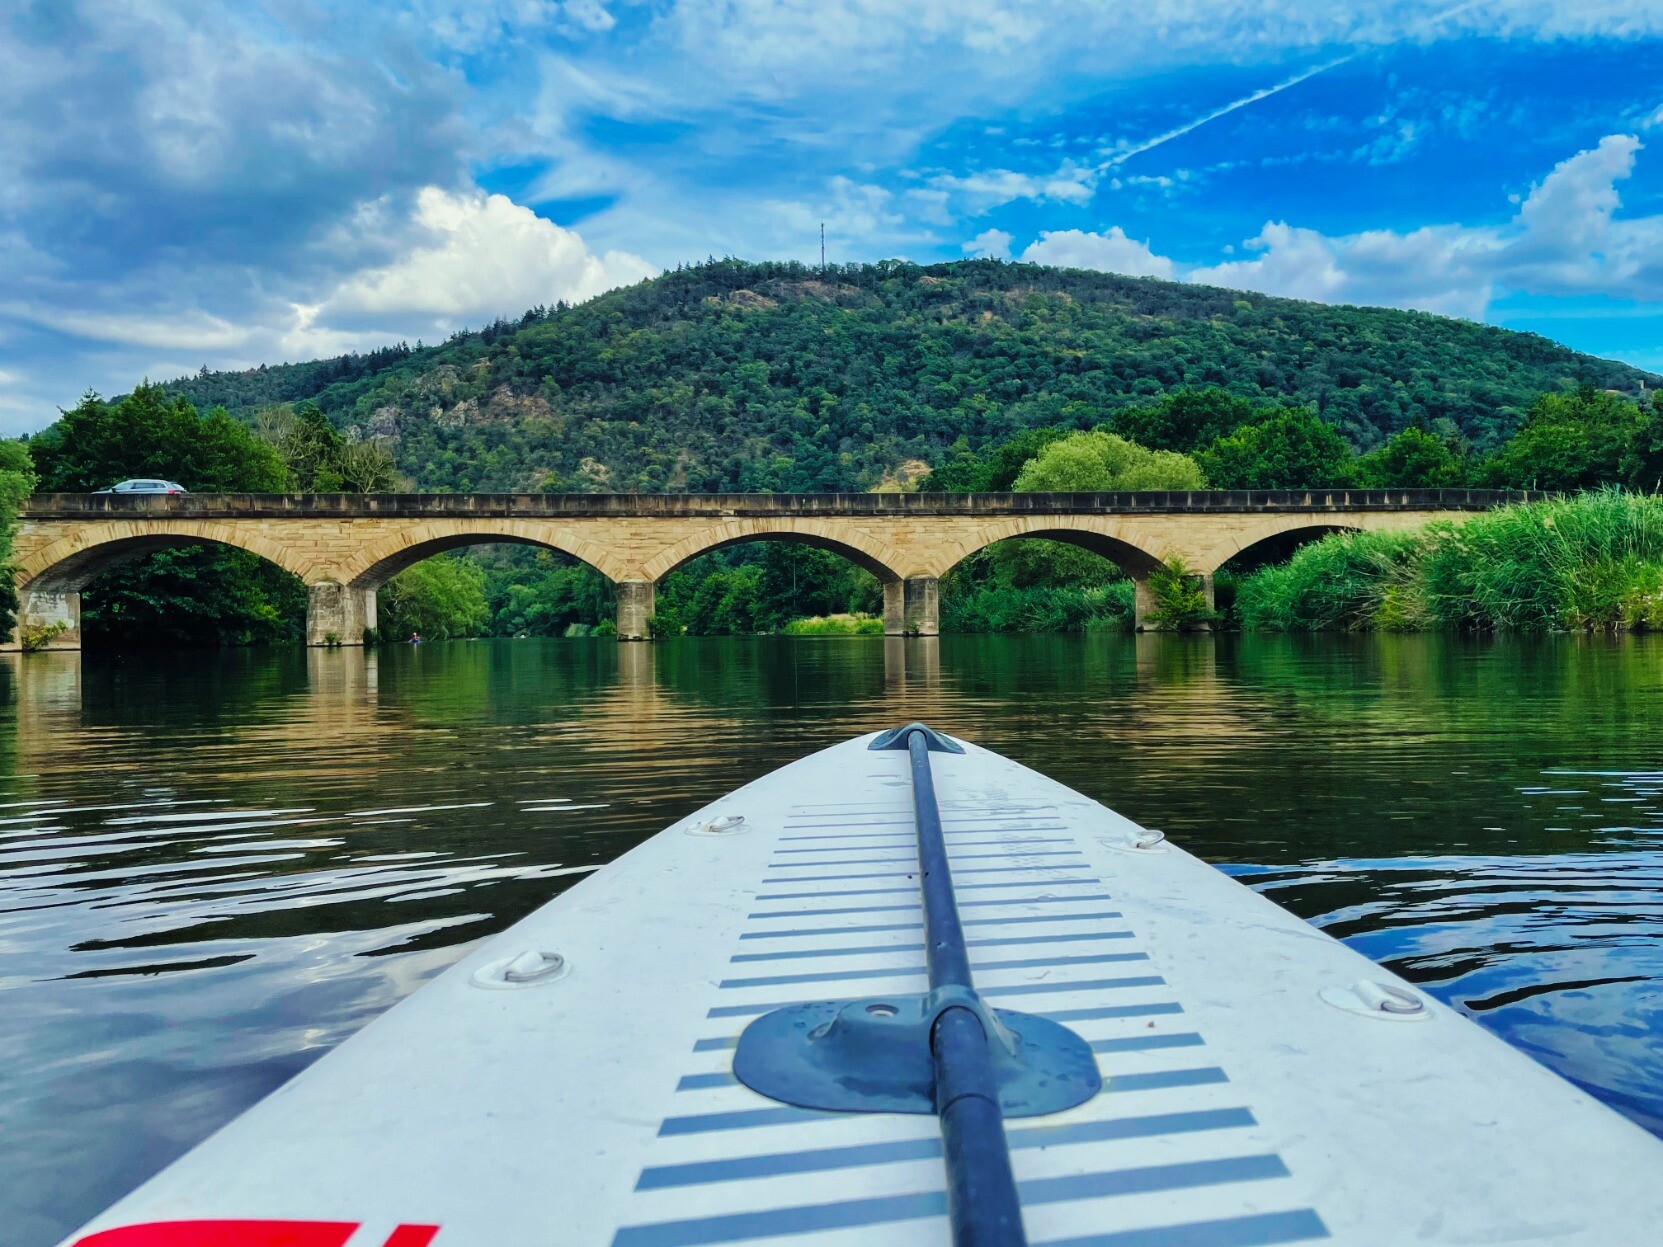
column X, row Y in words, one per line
column 982, row 1203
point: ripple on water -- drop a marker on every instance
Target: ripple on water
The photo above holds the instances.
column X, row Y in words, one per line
column 1560, row 954
column 214, row 868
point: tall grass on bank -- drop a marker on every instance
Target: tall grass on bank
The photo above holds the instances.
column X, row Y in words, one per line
column 1593, row 562
column 835, row 625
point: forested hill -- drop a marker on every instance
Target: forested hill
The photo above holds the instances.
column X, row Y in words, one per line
column 735, row 376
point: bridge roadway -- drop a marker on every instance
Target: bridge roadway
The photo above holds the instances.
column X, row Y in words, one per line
column 344, row 547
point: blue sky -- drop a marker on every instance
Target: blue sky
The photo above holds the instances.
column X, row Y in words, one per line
column 189, row 182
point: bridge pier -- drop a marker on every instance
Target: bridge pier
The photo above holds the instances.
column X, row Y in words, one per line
column 635, row 609
column 1144, row 605
column 912, row 607
column 894, row 608
column 920, row 606
column 57, row 611
column 338, row 614
column 60, row 612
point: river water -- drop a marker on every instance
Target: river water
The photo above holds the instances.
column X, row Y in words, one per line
column 214, row 867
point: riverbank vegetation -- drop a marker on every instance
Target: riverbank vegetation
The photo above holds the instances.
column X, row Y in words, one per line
column 835, row 625
column 1591, row 562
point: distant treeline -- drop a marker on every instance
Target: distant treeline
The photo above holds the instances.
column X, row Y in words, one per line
column 1569, row 440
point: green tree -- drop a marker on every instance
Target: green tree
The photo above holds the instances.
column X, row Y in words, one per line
column 1412, row 459
column 17, row 482
column 1091, row 462
column 724, row 603
column 1642, row 461
column 994, row 468
column 1572, row 441
column 534, row 592
column 317, row 459
column 1187, row 420
column 308, row 446
column 152, row 433
column 439, row 598
column 193, row 596
column 800, row 582
column 1293, row 449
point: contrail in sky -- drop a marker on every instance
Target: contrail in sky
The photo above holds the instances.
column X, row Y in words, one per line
column 1266, row 92
column 1261, row 94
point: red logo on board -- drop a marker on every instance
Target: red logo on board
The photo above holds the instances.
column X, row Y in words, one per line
column 250, row 1234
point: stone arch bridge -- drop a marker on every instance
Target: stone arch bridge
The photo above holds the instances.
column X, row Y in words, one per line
column 346, row 546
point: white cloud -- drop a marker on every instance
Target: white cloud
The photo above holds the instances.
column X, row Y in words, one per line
column 982, row 191
column 589, row 15
column 185, row 331
column 1429, row 269
column 474, row 25
column 483, row 255
column 772, row 47
column 423, row 269
column 992, row 244
column 1565, row 239
column 1111, row 251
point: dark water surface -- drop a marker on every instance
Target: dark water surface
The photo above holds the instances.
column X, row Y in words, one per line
column 215, row 867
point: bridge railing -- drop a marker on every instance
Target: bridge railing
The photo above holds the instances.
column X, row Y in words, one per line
column 59, row 505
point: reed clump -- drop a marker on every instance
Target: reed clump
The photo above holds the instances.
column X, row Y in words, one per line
column 1589, row 562
column 851, row 624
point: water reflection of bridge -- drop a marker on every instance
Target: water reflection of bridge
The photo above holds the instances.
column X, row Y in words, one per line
column 332, row 699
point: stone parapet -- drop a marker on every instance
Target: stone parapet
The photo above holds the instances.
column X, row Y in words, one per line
column 220, row 506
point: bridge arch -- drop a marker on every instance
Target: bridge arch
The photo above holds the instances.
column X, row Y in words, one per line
column 68, row 564
column 379, row 561
column 877, row 557
column 1295, row 529
column 49, row 578
column 1102, row 536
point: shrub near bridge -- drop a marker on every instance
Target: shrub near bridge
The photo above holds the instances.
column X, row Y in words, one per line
column 1593, row 562
column 1347, row 582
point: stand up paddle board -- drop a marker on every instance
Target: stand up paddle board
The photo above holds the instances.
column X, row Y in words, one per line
column 905, row 992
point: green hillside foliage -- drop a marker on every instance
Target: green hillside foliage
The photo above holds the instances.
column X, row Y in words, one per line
column 535, row 592
column 761, row 587
column 736, row 376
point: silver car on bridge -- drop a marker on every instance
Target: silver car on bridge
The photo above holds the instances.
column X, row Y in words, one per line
column 144, row 486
